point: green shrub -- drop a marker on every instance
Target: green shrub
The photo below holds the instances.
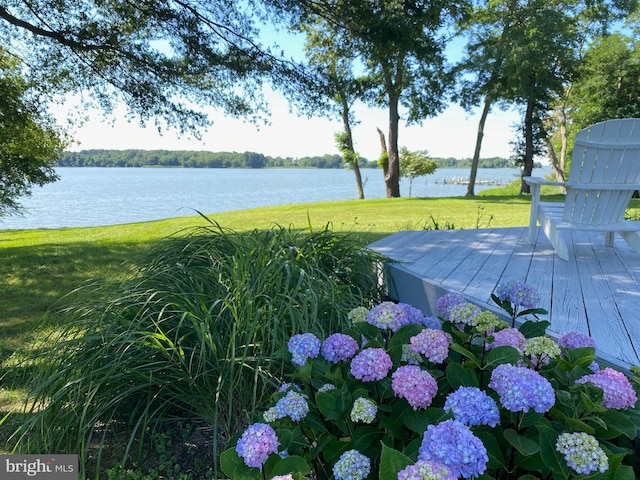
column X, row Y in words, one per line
column 195, row 331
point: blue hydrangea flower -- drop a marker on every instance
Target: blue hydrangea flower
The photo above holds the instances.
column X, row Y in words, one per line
column 426, row 470
column 452, row 444
column 432, row 322
column 415, row 385
column 293, row 405
column 364, row 410
column 414, row 315
column 371, row 364
column 521, row 389
column 303, row 346
column 445, row 303
column 339, row 347
column 256, row 444
column 352, row 465
column 473, row 407
column 618, row 393
column 518, row 293
column 582, row 453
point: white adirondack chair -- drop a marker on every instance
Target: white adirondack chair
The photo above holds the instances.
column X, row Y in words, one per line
column 605, row 171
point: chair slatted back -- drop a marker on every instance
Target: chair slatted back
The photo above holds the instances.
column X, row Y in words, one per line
column 604, row 167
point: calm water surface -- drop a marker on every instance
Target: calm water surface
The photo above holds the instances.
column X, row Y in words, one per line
column 91, row 196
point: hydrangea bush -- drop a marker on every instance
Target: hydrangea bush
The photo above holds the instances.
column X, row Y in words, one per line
column 464, row 395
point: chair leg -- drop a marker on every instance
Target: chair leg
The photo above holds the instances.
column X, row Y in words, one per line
column 633, row 239
column 608, row 238
column 558, row 243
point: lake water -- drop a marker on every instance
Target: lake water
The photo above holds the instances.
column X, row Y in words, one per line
column 91, row 196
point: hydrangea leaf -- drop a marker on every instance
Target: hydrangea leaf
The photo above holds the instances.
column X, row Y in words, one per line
column 500, row 355
column 391, row 462
column 234, row 467
column 551, row 458
column 460, row 376
column 365, row 436
column 618, row 423
column 524, row 445
column 470, row 357
column 287, row 465
column 532, row 329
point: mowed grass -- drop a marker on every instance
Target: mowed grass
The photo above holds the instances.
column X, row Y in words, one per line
column 39, row 267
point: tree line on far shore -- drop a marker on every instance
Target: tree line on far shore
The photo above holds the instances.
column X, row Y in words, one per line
column 205, row 159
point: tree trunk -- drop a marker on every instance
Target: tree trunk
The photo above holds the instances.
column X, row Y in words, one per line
column 392, row 176
column 528, row 146
column 354, row 157
column 384, row 154
column 476, row 153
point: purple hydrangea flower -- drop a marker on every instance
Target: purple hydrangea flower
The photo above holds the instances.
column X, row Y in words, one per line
column 473, row 407
column 511, row 337
column 388, row 316
column 292, row 405
column 414, row 315
column 447, row 302
column 521, row 389
column 339, row 347
column 303, row 346
column 371, row 364
column 452, row 444
column 256, row 444
column 617, row 389
column 582, row 453
column 288, row 476
column 352, row 465
column 573, row 340
column 433, row 344
column 415, row 385
column 518, row 293
column 426, row 470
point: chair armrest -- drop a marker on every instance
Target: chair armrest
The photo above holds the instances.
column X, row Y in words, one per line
column 541, row 181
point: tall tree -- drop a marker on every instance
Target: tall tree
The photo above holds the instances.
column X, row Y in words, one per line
column 539, row 42
column 401, row 46
column 30, row 142
column 338, row 88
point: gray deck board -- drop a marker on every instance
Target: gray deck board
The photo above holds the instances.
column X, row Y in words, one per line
column 596, row 292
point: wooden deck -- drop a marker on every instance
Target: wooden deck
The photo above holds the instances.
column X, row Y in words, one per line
column 596, row 292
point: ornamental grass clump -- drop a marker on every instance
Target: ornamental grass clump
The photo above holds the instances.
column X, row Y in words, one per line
column 478, row 398
column 192, row 333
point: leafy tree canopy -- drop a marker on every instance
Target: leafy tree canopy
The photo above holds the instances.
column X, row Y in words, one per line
column 162, row 59
column 30, row 143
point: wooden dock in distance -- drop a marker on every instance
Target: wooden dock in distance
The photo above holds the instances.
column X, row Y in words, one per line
column 596, row 292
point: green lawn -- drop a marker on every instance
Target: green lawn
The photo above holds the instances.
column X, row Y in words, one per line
column 39, row 267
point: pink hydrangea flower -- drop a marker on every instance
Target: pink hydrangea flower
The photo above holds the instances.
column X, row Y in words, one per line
column 415, row 385
column 617, row 389
column 433, row 344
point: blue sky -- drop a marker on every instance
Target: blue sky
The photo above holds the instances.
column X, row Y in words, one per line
column 449, row 134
